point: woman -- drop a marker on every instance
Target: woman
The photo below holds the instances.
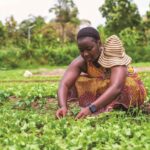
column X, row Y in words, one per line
column 109, row 81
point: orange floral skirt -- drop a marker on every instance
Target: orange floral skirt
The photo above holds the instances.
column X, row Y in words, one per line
column 87, row 90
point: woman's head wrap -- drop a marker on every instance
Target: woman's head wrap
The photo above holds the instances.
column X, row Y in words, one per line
column 88, row 32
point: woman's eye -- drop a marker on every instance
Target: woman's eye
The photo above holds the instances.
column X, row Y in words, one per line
column 81, row 50
column 85, row 49
column 89, row 48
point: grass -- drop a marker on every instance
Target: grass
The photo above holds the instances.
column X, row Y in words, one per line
column 30, row 128
column 17, row 74
column 141, row 64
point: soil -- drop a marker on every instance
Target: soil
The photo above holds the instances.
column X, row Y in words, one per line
column 60, row 72
column 55, row 72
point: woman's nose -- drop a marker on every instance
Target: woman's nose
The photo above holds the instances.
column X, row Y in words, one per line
column 85, row 53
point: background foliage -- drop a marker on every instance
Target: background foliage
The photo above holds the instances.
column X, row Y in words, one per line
column 37, row 42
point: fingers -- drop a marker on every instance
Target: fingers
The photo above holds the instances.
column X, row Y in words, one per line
column 61, row 113
column 58, row 115
column 80, row 115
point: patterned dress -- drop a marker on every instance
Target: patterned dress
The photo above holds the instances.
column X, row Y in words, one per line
column 97, row 80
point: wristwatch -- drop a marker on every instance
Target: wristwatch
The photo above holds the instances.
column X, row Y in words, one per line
column 92, row 108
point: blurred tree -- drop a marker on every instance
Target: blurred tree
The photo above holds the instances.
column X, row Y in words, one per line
column 38, row 21
column 103, row 34
column 24, row 27
column 23, row 32
column 11, row 30
column 66, row 12
column 35, row 22
column 130, row 37
column 2, row 34
column 145, row 27
column 120, row 14
column 47, row 35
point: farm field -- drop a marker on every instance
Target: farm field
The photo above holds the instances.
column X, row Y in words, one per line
column 27, row 119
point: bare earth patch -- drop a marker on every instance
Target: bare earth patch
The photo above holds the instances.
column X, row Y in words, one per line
column 60, row 72
column 55, row 72
column 142, row 69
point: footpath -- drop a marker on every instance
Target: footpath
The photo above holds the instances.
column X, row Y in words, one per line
column 60, row 72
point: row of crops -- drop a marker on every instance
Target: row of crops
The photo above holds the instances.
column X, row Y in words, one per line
column 27, row 120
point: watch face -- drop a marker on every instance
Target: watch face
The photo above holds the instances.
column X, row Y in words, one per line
column 92, row 108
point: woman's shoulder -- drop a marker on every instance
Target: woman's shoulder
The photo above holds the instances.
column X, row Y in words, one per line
column 79, row 62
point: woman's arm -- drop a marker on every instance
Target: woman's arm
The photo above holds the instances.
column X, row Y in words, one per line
column 117, row 81
column 68, row 80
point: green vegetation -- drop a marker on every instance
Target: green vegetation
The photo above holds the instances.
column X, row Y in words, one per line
column 39, row 130
column 141, row 64
column 52, row 56
column 35, row 42
column 27, row 120
column 28, row 105
column 116, row 11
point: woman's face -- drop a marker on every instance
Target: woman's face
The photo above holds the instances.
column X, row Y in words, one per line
column 89, row 48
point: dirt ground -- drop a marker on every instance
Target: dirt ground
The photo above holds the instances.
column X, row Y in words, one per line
column 60, row 72
column 55, row 72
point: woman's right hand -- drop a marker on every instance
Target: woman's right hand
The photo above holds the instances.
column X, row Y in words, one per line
column 61, row 112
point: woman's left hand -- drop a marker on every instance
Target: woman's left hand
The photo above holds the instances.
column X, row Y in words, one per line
column 83, row 113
